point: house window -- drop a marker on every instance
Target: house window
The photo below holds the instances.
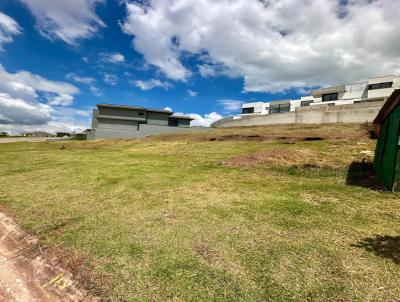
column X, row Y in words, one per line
column 306, row 103
column 330, row 97
column 140, row 113
column 278, row 108
column 380, row 85
column 248, row 110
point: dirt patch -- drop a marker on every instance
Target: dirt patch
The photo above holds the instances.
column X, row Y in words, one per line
column 300, row 159
column 26, row 274
column 287, row 134
column 205, row 252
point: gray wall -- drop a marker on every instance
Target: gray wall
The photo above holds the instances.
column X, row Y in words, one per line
column 144, row 130
column 94, row 118
column 354, row 113
column 158, row 118
column 184, row 123
column 122, row 112
column 117, row 124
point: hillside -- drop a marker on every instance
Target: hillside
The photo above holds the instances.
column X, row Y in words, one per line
column 273, row 213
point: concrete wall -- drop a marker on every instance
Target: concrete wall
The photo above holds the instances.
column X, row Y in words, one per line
column 144, row 130
column 104, row 123
column 158, row 118
column 354, row 113
column 184, row 123
column 121, row 112
column 94, row 118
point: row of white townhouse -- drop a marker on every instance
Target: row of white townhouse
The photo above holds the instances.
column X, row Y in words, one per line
column 375, row 89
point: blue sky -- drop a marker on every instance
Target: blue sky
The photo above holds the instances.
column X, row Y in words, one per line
column 60, row 58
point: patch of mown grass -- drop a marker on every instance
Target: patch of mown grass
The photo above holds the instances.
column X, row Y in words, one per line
column 167, row 220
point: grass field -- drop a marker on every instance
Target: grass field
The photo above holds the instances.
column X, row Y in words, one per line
column 247, row 214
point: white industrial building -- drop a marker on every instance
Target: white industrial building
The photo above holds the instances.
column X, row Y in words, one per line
column 374, row 90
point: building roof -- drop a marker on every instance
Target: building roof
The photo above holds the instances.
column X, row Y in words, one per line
column 182, row 117
column 392, row 102
column 326, row 90
column 133, row 108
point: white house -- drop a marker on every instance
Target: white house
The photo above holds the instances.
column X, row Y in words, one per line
column 375, row 89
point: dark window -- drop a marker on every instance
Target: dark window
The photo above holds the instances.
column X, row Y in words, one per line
column 380, row 85
column 330, row 97
column 331, row 104
column 173, row 123
column 248, row 110
column 306, row 103
column 140, row 113
column 278, row 108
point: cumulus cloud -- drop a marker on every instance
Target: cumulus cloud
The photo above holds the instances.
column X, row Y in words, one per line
column 230, row 105
column 272, row 45
column 62, row 100
column 80, row 79
column 206, row 120
column 192, row 93
column 22, row 97
column 8, row 28
column 110, row 79
column 113, row 57
column 96, row 91
column 64, row 20
column 150, row 84
column 202, row 121
column 19, row 111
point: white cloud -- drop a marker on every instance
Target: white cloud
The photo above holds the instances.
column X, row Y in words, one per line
column 65, row 20
column 273, row 45
column 8, row 28
column 202, row 121
column 230, row 105
column 62, row 100
column 168, row 109
column 22, row 107
column 114, row 57
column 19, row 111
column 79, row 79
column 39, row 83
column 150, row 84
column 110, row 79
column 192, row 93
column 96, row 91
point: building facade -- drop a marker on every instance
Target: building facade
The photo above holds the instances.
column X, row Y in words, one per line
column 125, row 122
column 374, row 90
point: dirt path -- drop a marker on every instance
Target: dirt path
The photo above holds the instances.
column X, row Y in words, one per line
column 25, row 274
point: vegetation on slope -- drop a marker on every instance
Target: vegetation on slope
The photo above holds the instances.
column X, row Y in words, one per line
column 275, row 213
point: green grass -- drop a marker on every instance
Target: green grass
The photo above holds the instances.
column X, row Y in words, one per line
column 162, row 219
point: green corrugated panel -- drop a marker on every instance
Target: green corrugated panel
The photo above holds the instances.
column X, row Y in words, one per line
column 397, row 174
column 386, row 151
column 380, row 147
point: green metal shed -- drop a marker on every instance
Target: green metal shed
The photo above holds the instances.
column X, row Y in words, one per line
column 387, row 154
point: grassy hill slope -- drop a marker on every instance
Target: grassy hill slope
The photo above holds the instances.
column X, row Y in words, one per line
column 275, row 213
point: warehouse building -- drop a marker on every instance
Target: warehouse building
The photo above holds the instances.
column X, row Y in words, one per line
column 387, row 154
column 126, row 122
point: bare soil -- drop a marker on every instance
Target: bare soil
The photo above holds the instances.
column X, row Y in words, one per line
column 281, row 157
column 26, row 274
